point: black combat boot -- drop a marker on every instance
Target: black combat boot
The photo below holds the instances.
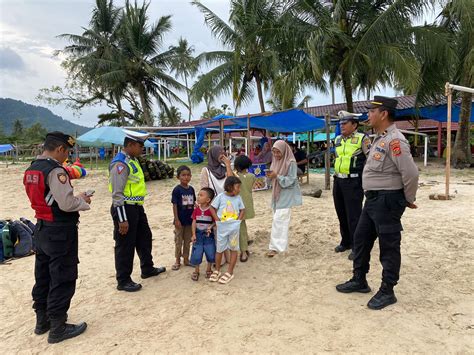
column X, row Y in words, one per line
column 60, row 330
column 383, row 298
column 42, row 322
column 358, row 283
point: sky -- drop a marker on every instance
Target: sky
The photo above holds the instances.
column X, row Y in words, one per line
column 28, row 39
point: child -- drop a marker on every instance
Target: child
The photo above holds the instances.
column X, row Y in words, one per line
column 183, row 198
column 203, row 236
column 229, row 210
column 242, row 164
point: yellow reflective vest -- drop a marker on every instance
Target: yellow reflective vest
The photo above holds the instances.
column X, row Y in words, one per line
column 350, row 158
column 135, row 188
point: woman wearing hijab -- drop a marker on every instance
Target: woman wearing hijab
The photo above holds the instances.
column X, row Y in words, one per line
column 217, row 169
column 265, row 156
column 285, row 194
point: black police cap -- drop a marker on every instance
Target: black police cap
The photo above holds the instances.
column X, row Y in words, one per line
column 383, row 102
column 61, row 137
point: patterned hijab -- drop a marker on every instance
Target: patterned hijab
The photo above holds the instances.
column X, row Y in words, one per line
column 281, row 167
column 213, row 163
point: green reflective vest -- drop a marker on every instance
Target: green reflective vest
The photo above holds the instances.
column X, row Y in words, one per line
column 349, row 156
column 135, row 188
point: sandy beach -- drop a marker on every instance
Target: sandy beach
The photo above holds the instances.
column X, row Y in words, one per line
column 287, row 304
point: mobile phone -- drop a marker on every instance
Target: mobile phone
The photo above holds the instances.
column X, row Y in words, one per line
column 90, row 193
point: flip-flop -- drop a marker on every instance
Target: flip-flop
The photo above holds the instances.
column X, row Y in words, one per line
column 195, row 276
column 176, row 267
column 226, row 278
column 208, row 274
column 215, row 276
column 242, row 259
column 272, row 253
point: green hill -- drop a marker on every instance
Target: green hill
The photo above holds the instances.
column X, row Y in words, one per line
column 11, row 110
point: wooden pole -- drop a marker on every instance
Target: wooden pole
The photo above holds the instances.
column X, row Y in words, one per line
column 448, row 139
column 327, row 156
column 221, row 133
column 249, row 141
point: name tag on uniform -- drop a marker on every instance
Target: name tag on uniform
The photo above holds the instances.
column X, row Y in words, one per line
column 381, row 150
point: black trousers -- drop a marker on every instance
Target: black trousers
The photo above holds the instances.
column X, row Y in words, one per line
column 348, row 196
column 55, row 268
column 138, row 237
column 380, row 217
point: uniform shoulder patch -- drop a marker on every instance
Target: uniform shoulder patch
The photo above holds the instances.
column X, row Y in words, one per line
column 120, row 168
column 395, row 147
column 62, row 177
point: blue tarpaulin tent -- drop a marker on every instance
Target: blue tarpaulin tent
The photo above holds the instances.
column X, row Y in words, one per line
column 294, row 120
column 4, row 148
column 105, row 137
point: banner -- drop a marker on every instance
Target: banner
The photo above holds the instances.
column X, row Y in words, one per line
column 261, row 181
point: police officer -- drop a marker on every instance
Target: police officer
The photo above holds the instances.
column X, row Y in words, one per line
column 390, row 181
column 131, row 229
column 351, row 151
column 57, row 211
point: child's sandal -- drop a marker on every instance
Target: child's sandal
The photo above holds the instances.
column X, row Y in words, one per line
column 208, row 274
column 195, row 276
column 176, row 267
column 215, row 276
column 226, row 278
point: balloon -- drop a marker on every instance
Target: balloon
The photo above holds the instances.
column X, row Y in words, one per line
column 78, row 163
column 70, row 172
column 77, row 171
column 84, row 172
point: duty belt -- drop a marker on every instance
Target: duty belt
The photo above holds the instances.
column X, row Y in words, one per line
column 345, row 176
column 42, row 222
column 371, row 194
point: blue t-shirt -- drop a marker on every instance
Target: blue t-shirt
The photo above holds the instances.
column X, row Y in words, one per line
column 228, row 207
column 184, row 198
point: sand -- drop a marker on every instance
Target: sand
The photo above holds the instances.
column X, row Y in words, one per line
column 287, row 304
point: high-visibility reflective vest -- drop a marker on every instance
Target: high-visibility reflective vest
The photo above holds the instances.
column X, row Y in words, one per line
column 135, row 188
column 350, row 158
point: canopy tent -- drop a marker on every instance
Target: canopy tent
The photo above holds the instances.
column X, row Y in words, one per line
column 317, row 137
column 293, row 120
column 105, row 137
column 5, row 148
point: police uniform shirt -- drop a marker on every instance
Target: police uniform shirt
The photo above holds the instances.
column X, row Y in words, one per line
column 118, row 178
column 390, row 165
column 63, row 192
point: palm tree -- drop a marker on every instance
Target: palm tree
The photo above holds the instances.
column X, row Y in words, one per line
column 360, row 44
column 185, row 66
column 251, row 56
column 458, row 18
column 142, row 64
column 170, row 118
column 120, row 57
column 200, row 93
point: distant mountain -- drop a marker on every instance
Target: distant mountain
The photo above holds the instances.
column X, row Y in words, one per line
column 11, row 110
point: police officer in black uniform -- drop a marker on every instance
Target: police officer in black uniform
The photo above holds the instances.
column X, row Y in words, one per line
column 351, row 149
column 390, row 181
column 57, row 212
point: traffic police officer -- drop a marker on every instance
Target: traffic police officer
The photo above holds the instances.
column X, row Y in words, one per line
column 57, row 212
column 390, row 181
column 351, row 151
column 131, row 229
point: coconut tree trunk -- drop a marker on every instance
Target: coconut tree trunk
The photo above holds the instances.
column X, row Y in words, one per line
column 259, row 92
column 189, row 96
column 147, row 120
column 461, row 156
column 333, row 97
column 347, row 85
